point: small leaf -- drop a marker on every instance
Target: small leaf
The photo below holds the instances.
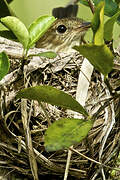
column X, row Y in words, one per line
column 18, row 28
column 111, row 7
column 98, row 24
column 66, row 132
column 52, row 96
column 8, row 34
column 48, row 54
column 39, row 27
column 108, row 27
column 4, row 64
column 99, row 56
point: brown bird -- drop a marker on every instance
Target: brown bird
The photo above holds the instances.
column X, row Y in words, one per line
column 63, row 35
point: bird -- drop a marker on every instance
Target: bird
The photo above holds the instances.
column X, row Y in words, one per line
column 64, row 34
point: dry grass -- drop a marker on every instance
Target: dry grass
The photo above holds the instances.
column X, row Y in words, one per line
column 23, row 124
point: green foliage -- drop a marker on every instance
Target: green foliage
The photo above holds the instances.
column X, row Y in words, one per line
column 27, row 37
column 66, row 132
column 84, row 2
column 108, row 27
column 111, row 7
column 98, row 53
column 99, row 56
column 4, row 64
column 52, row 96
column 18, row 28
column 36, row 29
column 39, row 27
column 98, row 24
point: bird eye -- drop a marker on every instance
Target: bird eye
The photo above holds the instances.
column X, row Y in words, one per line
column 61, row 28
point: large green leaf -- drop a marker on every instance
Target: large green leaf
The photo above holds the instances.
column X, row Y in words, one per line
column 66, row 132
column 18, row 28
column 52, row 96
column 98, row 24
column 4, row 64
column 108, row 27
column 39, row 27
column 99, row 56
column 111, row 7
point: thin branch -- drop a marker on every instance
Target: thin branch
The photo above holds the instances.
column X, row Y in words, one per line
column 91, row 6
column 68, row 163
column 94, row 161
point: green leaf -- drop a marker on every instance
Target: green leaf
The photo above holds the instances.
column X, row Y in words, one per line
column 4, row 64
column 111, row 7
column 118, row 20
column 52, row 96
column 108, row 27
column 18, row 28
column 39, row 27
column 66, row 132
column 84, row 2
column 48, row 54
column 98, row 24
column 99, row 56
column 8, row 34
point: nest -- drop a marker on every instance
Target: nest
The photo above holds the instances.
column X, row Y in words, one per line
column 22, row 145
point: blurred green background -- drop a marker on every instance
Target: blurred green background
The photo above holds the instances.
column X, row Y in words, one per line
column 29, row 10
